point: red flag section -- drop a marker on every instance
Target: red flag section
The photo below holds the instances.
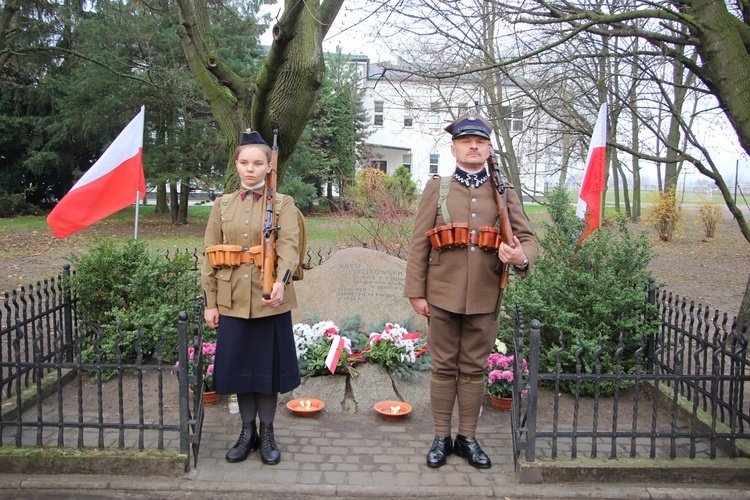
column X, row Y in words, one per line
column 107, row 187
column 590, row 198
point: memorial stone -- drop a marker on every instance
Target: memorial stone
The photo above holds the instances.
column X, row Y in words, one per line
column 356, row 281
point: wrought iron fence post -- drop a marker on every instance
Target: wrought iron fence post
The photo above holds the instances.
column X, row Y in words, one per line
column 67, row 312
column 650, row 339
column 182, row 375
column 533, row 394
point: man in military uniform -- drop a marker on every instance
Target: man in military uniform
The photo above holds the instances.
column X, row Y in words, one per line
column 457, row 288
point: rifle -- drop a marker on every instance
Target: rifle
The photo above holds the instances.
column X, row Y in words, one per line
column 268, row 247
column 506, row 231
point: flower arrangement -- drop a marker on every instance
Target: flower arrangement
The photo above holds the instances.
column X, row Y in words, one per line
column 393, row 347
column 208, row 352
column 500, row 372
column 313, row 345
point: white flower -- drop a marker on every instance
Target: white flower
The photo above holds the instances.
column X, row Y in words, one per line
column 501, row 347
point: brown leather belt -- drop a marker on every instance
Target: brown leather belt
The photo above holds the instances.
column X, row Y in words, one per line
column 473, row 238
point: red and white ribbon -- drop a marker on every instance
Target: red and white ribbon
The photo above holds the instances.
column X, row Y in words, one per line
column 338, row 344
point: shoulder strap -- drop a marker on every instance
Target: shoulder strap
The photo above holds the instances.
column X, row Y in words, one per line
column 445, row 184
column 225, row 199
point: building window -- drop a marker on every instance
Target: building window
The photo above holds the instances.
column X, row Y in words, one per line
column 408, row 115
column 378, row 113
column 434, row 161
column 380, row 165
column 512, row 117
column 407, row 162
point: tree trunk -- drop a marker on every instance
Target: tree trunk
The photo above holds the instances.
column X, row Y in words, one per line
column 162, row 206
column 182, row 211
column 743, row 316
column 174, row 203
column 283, row 94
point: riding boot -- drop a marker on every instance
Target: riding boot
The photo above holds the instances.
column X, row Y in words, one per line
column 269, row 452
column 247, row 442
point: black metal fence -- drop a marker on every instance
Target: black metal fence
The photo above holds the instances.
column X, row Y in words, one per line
column 687, row 396
column 57, row 389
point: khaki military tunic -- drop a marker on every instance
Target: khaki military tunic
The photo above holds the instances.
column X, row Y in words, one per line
column 462, row 280
column 238, row 291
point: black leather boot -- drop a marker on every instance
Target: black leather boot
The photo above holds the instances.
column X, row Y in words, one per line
column 269, row 452
column 247, row 442
column 441, row 448
column 468, row 448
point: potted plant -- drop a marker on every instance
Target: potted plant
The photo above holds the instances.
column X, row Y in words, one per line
column 208, row 353
column 500, row 377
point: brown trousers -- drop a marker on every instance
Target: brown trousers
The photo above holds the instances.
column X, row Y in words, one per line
column 459, row 345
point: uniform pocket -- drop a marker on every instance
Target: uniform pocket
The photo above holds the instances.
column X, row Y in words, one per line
column 434, row 258
column 224, row 287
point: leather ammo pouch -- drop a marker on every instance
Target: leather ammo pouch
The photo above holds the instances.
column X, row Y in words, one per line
column 453, row 235
column 232, row 256
column 489, row 238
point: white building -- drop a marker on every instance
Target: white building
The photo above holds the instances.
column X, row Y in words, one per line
column 407, row 117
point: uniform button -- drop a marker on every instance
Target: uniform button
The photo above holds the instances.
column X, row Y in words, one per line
column 223, row 219
column 244, row 235
column 473, row 249
column 247, row 222
column 430, row 259
column 221, row 276
column 247, row 210
column 473, row 216
column 473, row 200
column 473, row 231
column 247, row 276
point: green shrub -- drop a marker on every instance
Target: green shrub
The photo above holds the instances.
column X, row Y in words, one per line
column 12, row 205
column 302, row 192
column 124, row 291
column 582, row 293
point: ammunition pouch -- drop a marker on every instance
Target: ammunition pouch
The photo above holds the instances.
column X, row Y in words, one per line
column 232, row 256
column 459, row 235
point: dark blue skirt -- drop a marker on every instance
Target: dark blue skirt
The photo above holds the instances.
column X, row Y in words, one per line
column 256, row 355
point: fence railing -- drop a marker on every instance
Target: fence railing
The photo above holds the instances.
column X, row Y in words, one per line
column 686, row 397
column 46, row 348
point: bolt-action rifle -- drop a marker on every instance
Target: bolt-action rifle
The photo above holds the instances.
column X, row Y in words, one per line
column 268, row 247
column 506, row 231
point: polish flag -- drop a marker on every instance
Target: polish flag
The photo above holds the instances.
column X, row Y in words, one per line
column 590, row 199
column 338, row 344
column 114, row 182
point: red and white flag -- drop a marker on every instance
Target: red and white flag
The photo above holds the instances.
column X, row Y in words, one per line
column 110, row 185
column 334, row 353
column 590, row 199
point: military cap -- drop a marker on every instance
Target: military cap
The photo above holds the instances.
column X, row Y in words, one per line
column 250, row 136
column 470, row 123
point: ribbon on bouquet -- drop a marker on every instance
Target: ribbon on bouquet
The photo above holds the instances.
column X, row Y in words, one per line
column 338, row 344
column 375, row 337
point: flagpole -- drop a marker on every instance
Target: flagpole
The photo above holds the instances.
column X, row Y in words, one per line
column 137, row 204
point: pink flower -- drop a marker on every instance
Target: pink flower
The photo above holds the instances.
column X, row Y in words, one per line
column 210, row 370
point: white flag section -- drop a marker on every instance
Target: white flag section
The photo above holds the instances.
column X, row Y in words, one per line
column 590, row 199
column 114, row 182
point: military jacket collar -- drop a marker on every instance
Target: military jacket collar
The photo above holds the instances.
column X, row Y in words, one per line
column 470, row 180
